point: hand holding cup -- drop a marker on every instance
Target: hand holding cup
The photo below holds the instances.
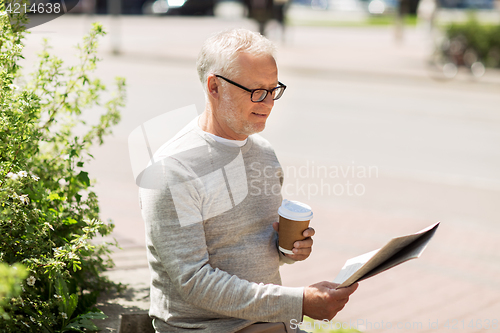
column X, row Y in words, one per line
column 293, row 229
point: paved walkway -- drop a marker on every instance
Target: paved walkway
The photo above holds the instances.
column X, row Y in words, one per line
column 453, row 288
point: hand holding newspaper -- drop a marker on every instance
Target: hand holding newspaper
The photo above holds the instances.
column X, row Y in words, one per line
column 397, row 251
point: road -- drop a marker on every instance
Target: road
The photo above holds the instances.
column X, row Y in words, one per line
column 375, row 146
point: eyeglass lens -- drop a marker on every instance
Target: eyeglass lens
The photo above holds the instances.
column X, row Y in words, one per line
column 260, row 94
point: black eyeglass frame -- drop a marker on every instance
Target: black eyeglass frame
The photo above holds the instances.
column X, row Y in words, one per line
column 268, row 91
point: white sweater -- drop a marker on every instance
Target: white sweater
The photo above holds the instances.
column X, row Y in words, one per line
column 211, row 246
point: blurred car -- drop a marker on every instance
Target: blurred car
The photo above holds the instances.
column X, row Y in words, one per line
column 137, row 7
column 467, row 4
column 382, row 7
column 314, row 4
column 179, row 7
column 226, row 8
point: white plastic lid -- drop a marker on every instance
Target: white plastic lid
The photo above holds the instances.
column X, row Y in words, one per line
column 295, row 210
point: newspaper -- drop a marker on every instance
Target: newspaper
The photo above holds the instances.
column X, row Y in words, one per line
column 397, row 251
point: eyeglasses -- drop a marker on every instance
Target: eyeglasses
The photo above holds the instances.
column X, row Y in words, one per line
column 258, row 95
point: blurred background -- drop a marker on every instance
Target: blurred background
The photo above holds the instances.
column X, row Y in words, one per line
column 390, row 122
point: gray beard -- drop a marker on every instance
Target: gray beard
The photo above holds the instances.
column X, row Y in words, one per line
column 230, row 116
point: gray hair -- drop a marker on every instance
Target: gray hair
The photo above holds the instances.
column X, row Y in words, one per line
column 220, row 51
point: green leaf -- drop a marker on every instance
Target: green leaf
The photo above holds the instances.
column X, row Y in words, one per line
column 72, row 153
column 84, row 177
column 76, row 266
column 71, row 327
column 70, row 221
column 54, row 196
column 96, row 314
column 72, row 304
column 69, row 302
column 84, row 321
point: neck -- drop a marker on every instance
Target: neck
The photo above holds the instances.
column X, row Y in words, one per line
column 211, row 123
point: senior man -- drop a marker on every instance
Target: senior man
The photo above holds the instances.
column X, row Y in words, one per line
column 212, row 244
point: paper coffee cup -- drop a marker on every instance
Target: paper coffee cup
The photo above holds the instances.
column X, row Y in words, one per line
column 294, row 218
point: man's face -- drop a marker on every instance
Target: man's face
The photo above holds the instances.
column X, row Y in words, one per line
column 237, row 113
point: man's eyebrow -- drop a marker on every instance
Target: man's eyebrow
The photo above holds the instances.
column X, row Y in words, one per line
column 263, row 86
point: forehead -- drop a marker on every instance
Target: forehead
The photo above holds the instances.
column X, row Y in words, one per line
column 258, row 70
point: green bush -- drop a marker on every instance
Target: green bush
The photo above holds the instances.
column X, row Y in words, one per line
column 11, row 278
column 48, row 213
column 483, row 39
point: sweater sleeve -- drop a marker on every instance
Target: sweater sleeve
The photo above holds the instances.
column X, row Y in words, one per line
column 174, row 216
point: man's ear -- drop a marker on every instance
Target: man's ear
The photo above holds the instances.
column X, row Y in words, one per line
column 213, row 86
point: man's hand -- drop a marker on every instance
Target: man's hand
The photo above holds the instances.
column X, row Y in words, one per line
column 301, row 249
column 323, row 301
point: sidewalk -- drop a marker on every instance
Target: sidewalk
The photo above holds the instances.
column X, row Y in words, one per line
column 132, row 271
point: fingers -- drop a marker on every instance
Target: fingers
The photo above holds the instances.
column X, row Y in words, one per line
column 309, row 232
column 322, row 300
column 347, row 290
column 303, row 247
column 303, row 244
column 340, row 291
column 298, row 256
column 301, row 250
column 353, row 288
column 340, row 297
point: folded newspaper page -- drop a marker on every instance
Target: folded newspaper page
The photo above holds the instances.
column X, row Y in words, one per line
column 397, row 251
